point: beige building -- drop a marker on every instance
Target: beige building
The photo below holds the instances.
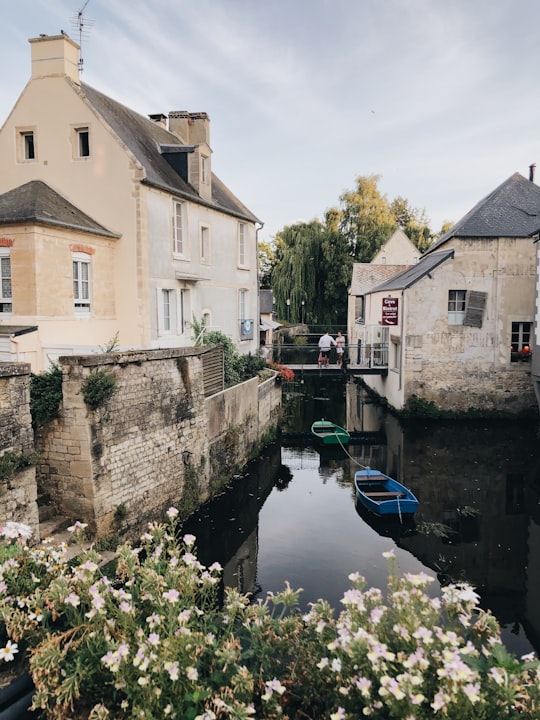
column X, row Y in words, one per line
column 457, row 325
column 112, row 225
column 396, row 255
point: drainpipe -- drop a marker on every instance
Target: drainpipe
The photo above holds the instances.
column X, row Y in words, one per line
column 402, row 363
column 258, row 315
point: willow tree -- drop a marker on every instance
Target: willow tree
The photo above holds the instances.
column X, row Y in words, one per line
column 366, row 218
column 295, row 276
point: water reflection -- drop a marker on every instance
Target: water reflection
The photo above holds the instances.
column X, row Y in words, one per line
column 293, row 515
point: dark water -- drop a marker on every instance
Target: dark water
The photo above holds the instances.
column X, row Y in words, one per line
column 292, row 516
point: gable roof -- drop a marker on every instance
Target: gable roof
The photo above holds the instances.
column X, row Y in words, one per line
column 416, row 272
column 143, row 137
column 366, row 276
column 37, row 202
column 511, row 210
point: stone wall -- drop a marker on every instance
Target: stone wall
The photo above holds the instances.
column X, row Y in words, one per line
column 18, row 496
column 156, row 442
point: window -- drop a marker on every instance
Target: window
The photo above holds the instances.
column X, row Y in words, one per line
column 359, row 308
column 456, row 306
column 242, row 243
column 5, row 273
column 242, row 301
column 27, row 145
column 396, row 353
column 204, row 169
column 182, row 311
column 81, row 282
column 178, row 230
column 83, row 142
column 205, row 244
column 520, row 348
column 166, row 300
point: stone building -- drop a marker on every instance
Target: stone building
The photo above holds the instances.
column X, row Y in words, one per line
column 461, row 320
column 113, row 225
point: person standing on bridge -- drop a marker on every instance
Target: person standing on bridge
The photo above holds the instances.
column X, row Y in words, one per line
column 325, row 344
column 340, row 348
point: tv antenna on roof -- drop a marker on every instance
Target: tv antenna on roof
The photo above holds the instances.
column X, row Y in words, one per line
column 81, row 23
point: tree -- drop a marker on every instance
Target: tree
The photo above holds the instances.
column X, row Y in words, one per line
column 414, row 222
column 267, row 261
column 366, row 218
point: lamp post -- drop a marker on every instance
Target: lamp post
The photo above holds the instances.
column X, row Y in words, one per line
column 288, row 301
column 303, row 303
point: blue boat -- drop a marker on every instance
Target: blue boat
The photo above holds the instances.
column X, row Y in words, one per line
column 383, row 495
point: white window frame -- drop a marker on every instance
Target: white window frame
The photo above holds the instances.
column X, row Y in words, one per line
column 205, row 250
column 26, row 145
column 182, row 310
column 166, row 305
column 242, row 244
column 178, row 231
column 82, row 304
column 242, row 304
column 6, row 285
column 457, row 300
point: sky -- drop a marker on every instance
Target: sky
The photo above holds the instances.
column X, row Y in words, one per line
column 441, row 100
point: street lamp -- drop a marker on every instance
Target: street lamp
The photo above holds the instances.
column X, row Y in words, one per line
column 288, row 301
column 303, row 303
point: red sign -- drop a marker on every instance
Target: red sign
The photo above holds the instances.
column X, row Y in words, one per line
column 390, row 311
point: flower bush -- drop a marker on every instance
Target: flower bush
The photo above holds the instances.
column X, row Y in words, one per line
column 154, row 641
column 285, row 373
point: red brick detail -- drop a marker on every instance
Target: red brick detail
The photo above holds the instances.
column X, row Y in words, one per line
column 6, row 242
column 82, row 248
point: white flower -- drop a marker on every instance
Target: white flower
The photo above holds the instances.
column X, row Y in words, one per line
column 172, row 512
column 7, row 653
column 389, row 554
column 13, row 530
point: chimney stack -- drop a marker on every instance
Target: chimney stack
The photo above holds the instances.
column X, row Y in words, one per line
column 53, row 56
column 532, row 170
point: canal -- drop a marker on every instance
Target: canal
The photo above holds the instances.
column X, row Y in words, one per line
column 292, row 515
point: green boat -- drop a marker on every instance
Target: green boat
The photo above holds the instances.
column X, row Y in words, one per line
column 328, row 433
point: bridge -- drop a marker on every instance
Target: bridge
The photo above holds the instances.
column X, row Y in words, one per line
column 368, row 357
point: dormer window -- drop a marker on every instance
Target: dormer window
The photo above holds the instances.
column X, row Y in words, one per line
column 204, row 169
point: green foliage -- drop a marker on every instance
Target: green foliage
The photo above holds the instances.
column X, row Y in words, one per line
column 45, row 395
column 98, row 387
column 366, row 218
column 11, row 462
column 154, row 641
column 111, row 345
column 237, row 368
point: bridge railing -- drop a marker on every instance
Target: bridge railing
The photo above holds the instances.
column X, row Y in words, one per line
column 371, row 351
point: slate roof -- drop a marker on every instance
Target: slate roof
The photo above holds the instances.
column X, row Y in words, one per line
column 37, row 202
column 415, row 272
column 143, row 138
column 366, row 276
column 511, row 210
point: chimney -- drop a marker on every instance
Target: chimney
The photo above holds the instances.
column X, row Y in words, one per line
column 159, row 118
column 55, row 56
column 532, row 170
column 193, row 129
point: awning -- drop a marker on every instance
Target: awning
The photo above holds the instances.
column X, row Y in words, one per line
column 269, row 325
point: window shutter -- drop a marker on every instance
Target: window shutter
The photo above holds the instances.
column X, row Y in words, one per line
column 474, row 310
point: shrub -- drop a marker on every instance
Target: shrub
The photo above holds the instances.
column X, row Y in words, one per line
column 154, row 642
column 45, row 395
column 98, row 387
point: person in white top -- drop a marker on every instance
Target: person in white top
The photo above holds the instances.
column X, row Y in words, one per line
column 325, row 344
column 340, row 348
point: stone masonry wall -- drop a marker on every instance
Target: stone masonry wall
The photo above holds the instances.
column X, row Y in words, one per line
column 152, row 444
column 18, row 495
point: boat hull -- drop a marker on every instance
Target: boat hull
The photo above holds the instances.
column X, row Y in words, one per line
column 328, row 433
column 382, row 495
